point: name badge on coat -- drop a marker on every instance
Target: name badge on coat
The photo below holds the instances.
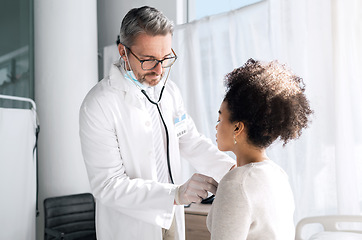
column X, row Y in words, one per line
column 180, row 126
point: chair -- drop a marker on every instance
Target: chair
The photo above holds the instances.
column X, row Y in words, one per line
column 70, row 217
column 331, row 227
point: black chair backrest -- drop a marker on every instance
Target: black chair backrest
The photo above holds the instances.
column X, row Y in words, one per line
column 74, row 215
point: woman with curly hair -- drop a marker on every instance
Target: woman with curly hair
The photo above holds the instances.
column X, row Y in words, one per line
column 263, row 102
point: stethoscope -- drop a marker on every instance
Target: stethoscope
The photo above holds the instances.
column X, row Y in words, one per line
column 158, row 109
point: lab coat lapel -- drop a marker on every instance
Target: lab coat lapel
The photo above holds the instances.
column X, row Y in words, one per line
column 138, row 122
column 135, row 98
column 117, row 80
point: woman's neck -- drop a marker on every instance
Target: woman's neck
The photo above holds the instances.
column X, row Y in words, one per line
column 248, row 154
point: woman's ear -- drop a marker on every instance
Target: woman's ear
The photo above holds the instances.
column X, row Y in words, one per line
column 238, row 128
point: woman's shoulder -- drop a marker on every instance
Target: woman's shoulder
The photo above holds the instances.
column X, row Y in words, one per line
column 236, row 175
column 252, row 171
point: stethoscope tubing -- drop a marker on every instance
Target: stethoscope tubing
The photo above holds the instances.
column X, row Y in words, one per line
column 166, row 130
column 163, row 121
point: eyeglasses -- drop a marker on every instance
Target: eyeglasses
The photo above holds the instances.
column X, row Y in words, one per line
column 150, row 64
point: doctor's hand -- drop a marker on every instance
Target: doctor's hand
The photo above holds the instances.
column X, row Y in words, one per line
column 195, row 189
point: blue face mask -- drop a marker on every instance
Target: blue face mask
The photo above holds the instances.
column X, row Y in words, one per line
column 130, row 76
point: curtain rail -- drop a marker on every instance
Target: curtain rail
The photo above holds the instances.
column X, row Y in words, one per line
column 19, row 99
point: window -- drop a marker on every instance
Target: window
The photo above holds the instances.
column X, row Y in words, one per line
column 201, row 8
column 16, row 51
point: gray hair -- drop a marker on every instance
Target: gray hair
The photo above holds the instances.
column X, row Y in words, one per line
column 146, row 20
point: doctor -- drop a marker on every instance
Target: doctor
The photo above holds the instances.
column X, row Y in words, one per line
column 132, row 147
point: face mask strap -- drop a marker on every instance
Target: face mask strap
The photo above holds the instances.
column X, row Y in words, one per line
column 134, row 79
column 129, row 65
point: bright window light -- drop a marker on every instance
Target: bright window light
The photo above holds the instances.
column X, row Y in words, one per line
column 202, row 8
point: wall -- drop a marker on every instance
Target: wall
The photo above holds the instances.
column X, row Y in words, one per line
column 65, row 35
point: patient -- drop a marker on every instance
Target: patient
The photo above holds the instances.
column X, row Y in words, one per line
column 263, row 102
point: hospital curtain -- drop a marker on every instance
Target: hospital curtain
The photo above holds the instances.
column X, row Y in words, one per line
column 321, row 42
column 17, row 173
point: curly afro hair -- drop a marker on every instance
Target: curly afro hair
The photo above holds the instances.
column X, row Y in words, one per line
column 269, row 99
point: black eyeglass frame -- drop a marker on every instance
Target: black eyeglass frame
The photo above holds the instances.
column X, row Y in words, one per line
column 155, row 60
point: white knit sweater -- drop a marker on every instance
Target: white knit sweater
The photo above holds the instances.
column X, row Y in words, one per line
column 254, row 201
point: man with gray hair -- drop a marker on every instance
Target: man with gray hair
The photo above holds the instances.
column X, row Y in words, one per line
column 134, row 132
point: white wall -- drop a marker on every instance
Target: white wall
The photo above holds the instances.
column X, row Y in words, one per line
column 65, row 36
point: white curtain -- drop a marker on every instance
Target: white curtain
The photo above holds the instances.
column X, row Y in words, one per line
column 17, row 174
column 322, row 42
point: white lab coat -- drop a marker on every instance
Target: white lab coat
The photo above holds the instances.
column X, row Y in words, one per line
column 116, row 140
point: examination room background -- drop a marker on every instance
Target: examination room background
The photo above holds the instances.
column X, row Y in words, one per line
column 73, row 45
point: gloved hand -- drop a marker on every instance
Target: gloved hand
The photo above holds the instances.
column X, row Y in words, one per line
column 195, row 189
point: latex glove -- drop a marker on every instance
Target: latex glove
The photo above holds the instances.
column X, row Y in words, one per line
column 195, row 189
